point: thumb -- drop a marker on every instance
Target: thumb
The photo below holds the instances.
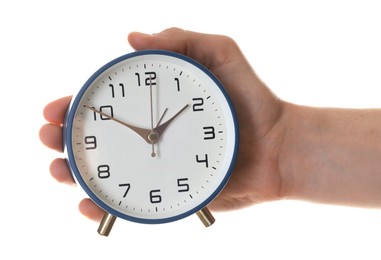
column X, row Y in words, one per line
column 211, row 50
column 169, row 39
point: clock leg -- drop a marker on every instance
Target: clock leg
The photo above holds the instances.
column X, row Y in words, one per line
column 106, row 224
column 206, row 217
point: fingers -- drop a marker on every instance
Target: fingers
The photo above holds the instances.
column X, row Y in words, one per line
column 54, row 112
column 51, row 136
column 51, row 133
column 60, row 171
column 89, row 209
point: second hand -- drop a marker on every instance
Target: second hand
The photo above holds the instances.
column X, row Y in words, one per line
column 153, row 154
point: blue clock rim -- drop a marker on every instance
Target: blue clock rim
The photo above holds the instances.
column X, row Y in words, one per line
column 67, row 137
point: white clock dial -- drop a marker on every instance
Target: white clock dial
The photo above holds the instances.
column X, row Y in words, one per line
column 152, row 137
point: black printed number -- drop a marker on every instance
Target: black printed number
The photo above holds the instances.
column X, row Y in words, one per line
column 149, row 78
column 127, row 186
column 108, row 113
column 198, row 104
column 119, row 91
column 91, row 142
column 154, row 196
column 209, row 132
column 203, row 160
column 103, row 171
column 183, row 185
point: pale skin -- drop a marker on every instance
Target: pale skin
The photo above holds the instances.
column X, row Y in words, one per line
column 287, row 151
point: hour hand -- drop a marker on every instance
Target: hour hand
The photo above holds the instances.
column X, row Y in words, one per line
column 144, row 133
column 161, row 128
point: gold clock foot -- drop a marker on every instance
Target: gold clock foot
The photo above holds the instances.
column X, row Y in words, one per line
column 106, row 224
column 206, row 217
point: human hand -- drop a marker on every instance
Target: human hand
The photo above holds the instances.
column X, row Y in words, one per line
column 256, row 176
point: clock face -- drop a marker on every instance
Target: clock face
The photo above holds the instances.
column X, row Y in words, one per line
column 151, row 137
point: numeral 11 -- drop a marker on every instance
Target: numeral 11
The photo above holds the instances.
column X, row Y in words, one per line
column 113, row 89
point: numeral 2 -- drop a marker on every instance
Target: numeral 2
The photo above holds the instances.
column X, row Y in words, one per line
column 198, row 103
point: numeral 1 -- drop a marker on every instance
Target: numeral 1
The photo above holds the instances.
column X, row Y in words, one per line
column 177, row 83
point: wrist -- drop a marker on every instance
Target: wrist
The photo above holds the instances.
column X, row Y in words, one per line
column 302, row 155
column 286, row 154
column 331, row 155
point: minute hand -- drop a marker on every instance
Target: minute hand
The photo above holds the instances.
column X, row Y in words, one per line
column 161, row 128
column 140, row 131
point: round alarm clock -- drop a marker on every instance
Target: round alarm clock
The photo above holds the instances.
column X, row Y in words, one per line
column 151, row 137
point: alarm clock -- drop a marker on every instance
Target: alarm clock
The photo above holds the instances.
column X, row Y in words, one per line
column 151, row 137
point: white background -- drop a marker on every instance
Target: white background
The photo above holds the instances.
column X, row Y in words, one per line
column 318, row 53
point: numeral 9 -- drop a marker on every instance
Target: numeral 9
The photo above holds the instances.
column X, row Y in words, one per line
column 91, row 142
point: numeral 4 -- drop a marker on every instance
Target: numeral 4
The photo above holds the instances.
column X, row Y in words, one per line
column 205, row 160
